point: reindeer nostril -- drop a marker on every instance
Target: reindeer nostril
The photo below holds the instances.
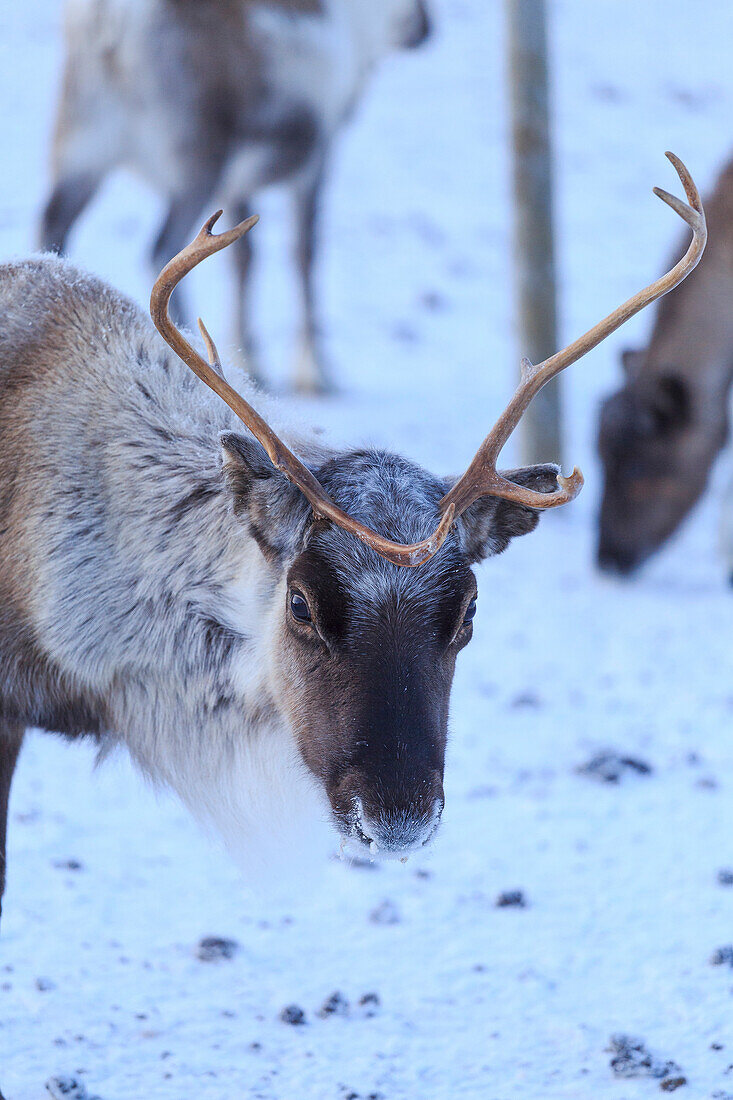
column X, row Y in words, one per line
column 366, row 830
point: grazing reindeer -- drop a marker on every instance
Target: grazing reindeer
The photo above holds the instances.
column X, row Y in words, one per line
column 236, row 622
column 218, row 96
column 661, row 432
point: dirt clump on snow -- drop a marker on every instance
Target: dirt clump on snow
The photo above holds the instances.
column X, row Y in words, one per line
column 68, row 865
column 293, row 1015
column 613, row 767
column 631, row 1058
column 369, row 1004
column 511, row 899
column 349, row 1094
column 335, row 1005
column 216, row 948
column 385, row 913
column 68, row 1088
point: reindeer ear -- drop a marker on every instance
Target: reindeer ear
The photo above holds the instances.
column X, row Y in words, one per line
column 490, row 523
column 273, row 509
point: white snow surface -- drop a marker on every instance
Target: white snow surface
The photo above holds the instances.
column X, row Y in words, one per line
column 624, row 909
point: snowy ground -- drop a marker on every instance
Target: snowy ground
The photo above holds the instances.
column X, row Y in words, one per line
column 624, row 908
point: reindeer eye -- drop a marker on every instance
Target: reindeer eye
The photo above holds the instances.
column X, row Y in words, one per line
column 299, row 607
column 470, row 612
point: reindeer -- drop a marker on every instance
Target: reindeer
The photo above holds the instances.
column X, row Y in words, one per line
column 660, row 433
column 218, row 96
column 272, row 635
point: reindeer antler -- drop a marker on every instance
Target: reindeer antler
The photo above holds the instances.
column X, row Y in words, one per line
column 481, row 478
column 282, row 458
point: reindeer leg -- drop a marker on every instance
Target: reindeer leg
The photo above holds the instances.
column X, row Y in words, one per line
column 242, row 330
column 70, row 196
column 183, row 212
column 725, row 530
column 311, row 374
column 11, row 738
column 86, row 146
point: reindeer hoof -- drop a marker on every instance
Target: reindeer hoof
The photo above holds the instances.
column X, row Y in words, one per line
column 312, row 374
column 320, row 386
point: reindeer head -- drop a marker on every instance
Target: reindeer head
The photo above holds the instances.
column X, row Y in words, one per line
column 656, row 454
column 362, row 651
column 368, row 625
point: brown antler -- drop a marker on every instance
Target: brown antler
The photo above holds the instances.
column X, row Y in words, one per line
column 206, row 244
column 481, row 478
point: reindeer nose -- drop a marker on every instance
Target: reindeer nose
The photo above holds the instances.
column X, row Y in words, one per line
column 391, row 814
column 398, row 830
column 616, row 560
column 417, row 29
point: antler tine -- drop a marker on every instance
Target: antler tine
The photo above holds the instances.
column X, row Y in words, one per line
column 481, row 477
column 206, row 244
column 693, row 196
column 211, row 350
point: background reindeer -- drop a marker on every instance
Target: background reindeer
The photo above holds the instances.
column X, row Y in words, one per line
column 242, row 628
column 660, row 434
column 218, row 97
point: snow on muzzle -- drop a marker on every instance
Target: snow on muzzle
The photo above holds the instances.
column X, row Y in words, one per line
column 393, row 831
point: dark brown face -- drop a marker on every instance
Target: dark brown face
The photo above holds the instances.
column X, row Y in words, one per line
column 367, row 665
column 656, row 459
column 363, row 651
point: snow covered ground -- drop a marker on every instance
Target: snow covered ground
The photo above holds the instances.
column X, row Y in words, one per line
column 98, row 970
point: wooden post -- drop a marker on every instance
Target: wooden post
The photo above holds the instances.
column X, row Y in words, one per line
column 533, row 251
